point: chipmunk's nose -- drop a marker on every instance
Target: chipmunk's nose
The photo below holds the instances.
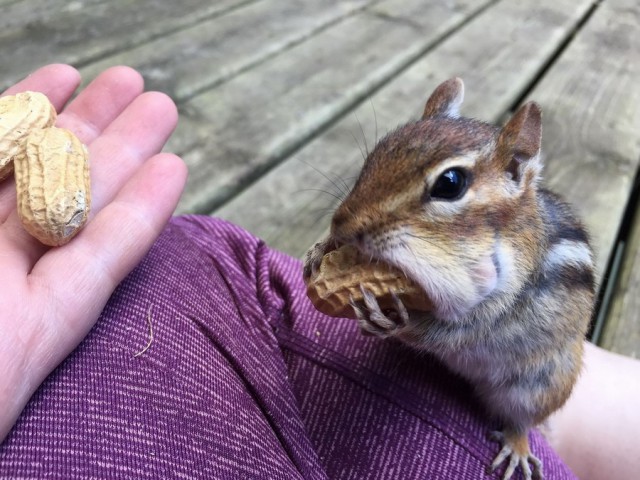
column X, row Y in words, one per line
column 348, row 228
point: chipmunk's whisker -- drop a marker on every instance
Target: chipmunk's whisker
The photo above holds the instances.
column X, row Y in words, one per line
column 342, row 188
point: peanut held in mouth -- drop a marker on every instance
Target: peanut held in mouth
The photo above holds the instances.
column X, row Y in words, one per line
column 341, row 274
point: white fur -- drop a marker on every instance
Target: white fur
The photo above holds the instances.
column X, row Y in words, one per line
column 504, row 257
column 568, row 252
column 534, row 165
column 454, row 288
column 453, row 109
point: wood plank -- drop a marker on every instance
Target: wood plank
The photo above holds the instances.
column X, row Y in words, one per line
column 200, row 57
column 78, row 32
column 621, row 332
column 591, row 122
column 18, row 14
column 285, row 207
column 232, row 134
column 9, row 2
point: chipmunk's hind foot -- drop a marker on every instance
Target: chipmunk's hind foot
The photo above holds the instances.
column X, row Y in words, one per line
column 515, row 447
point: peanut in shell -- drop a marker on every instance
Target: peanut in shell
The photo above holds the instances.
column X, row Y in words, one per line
column 19, row 114
column 343, row 271
column 52, row 185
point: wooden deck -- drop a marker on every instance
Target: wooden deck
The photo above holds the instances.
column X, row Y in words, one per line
column 278, row 98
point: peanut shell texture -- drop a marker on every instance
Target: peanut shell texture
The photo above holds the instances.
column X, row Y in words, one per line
column 19, row 114
column 53, row 186
column 344, row 270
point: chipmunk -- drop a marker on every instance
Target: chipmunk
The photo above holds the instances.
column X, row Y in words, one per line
column 455, row 203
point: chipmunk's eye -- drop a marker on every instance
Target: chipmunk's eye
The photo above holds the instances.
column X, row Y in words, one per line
column 450, row 185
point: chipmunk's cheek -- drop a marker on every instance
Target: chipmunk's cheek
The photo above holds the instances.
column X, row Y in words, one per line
column 485, row 275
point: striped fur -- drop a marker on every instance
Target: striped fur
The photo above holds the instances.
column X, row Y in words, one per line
column 507, row 265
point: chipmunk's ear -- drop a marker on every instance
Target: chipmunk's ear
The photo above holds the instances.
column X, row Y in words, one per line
column 445, row 99
column 519, row 142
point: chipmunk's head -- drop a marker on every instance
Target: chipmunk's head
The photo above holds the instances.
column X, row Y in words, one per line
column 451, row 201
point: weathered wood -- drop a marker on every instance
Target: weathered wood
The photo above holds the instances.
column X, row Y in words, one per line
column 497, row 64
column 612, row 138
column 233, row 133
column 9, row 2
column 591, row 121
column 18, row 14
column 621, row 331
column 78, row 32
column 297, row 67
column 197, row 58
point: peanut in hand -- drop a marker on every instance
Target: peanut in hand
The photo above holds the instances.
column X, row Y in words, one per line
column 51, row 168
column 53, row 186
column 19, row 114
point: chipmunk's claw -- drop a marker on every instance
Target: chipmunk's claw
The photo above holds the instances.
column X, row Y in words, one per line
column 313, row 257
column 373, row 320
column 515, row 447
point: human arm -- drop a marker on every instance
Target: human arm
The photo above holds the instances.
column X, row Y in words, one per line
column 596, row 432
column 51, row 297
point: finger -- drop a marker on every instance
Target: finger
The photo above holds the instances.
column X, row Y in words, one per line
column 93, row 110
column 81, row 275
column 57, row 82
column 140, row 131
column 101, row 102
column 7, row 198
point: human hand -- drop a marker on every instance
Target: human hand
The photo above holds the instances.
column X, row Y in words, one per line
column 51, row 297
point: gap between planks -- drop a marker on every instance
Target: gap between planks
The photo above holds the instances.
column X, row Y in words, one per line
column 199, row 58
column 317, row 118
column 617, row 326
column 43, row 35
column 268, row 209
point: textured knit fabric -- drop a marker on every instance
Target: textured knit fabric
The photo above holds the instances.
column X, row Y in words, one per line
column 244, row 379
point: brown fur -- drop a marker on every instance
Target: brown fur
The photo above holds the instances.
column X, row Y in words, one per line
column 507, row 265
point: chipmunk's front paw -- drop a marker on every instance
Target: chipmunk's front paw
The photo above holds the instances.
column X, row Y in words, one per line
column 313, row 257
column 374, row 320
column 515, row 447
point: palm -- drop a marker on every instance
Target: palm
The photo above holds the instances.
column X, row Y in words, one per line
column 50, row 298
